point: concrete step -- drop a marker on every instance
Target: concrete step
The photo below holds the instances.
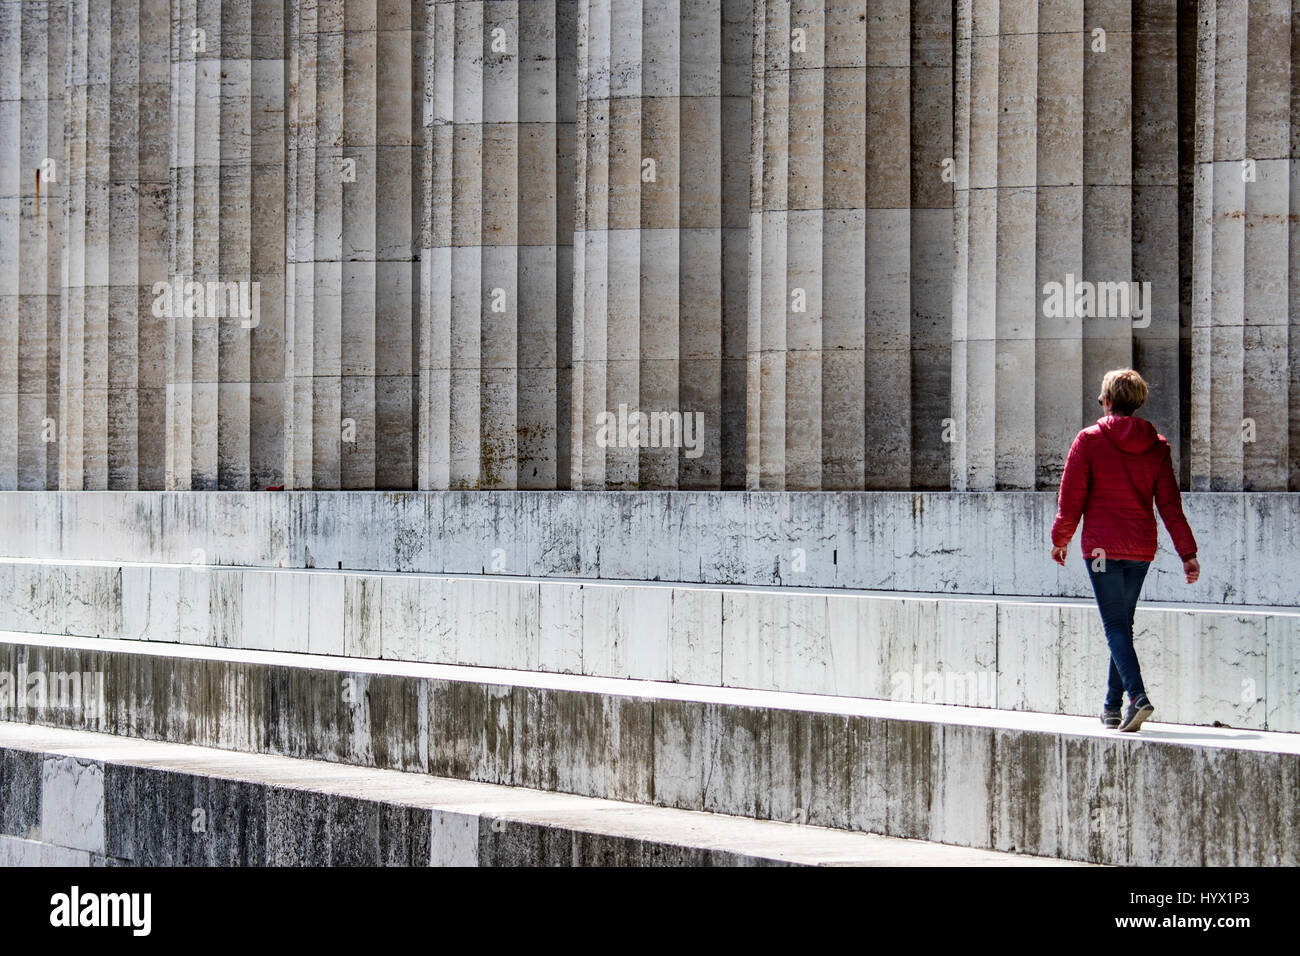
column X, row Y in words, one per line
column 1047, row 785
column 1238, row 665
column 942, row 542
column 73, row 798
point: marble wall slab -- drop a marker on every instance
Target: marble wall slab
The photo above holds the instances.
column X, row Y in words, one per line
column 1236, row 666
column 955, row 543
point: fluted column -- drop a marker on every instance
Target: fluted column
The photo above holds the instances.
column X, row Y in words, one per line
column 355, row 209
column 496, row 294
column 1059, row 211
column 32, row 184
column 850, row 245
column 1161, row 213
column 1246, row 303
column 113, row 346
column 659, row 267
column 226, row 217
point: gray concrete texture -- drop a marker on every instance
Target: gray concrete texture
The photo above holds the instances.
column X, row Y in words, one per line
column 1203, row 664
column 351, row 294
column 1068, row 163
column 496, row 265
column 1047, row 786
column 475, row 225
column 226, row 222
column 79, row 799
column 994, row 543
column 33, row 52
column 849, row 337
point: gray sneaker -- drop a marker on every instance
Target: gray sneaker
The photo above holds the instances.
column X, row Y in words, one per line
column 1110, row 719
column 1138, row 711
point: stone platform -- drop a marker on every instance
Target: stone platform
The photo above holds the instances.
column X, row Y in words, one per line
column 78, row 799
column 1035, row 783
column 1234, row 664
column 903, row 665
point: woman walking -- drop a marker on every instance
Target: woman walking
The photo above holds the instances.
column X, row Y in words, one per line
column 1113, row 472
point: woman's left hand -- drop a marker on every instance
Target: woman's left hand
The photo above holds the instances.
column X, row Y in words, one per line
column 1058, row 555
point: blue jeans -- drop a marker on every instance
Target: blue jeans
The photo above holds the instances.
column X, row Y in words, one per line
column 1117, row 589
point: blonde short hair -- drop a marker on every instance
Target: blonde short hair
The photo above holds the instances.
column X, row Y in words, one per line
column 1125, row 390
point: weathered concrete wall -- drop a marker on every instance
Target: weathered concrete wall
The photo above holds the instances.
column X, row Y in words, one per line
column 382, row 198
column 971, row 543
column 1201, row 664
column 77, row 799
column 968, row 777
column 70, row 811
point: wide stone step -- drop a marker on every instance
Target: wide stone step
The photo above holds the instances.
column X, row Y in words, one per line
column 1041, row 784
column 944, row 542
column 77, row 798
column 1236, row 665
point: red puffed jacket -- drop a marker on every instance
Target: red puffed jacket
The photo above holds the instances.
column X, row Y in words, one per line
column 1114, row 470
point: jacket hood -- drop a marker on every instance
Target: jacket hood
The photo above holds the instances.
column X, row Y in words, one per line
column 1128, row 433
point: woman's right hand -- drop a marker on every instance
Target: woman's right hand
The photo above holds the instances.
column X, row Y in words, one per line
column 1192, row 569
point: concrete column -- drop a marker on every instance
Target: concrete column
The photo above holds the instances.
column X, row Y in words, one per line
column 659, row 269
column 850, row 238
column 931, row 259
column 1245, row 428
column 1161, row 227
column 1052, row 189
column 32, row 184
column 226, row 216
column 354, row 216
column 113, row 346
column 496, row 303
